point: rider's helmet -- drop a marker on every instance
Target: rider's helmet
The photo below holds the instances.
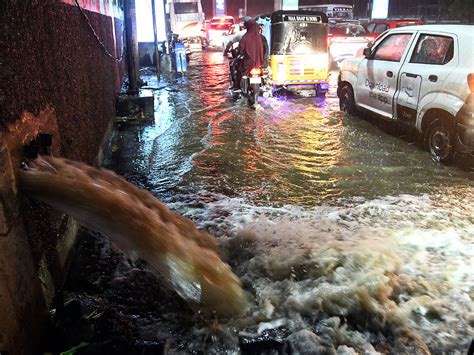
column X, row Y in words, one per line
column 247, row 19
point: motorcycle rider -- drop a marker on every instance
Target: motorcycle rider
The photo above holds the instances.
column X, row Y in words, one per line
column 253, row 48
column 235, row 39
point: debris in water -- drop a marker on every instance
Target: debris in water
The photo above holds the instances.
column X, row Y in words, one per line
column 141, row 226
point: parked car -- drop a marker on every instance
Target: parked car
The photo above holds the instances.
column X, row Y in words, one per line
column 420, row 76
column 347, row 40
column 379, row 26
column 215, row 29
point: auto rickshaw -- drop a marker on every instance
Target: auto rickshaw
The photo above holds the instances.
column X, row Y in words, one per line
column 299, row 56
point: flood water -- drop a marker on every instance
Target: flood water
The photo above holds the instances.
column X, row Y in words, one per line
column 347, row 238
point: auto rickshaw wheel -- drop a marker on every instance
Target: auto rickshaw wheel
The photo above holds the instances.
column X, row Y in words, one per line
column 319, row 93
column 277, row 91
column 439, row 139
column 347, row 101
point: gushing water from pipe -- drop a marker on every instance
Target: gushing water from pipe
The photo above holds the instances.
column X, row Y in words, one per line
column 142, row 227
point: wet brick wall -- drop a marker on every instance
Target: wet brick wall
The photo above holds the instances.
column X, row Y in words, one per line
column 54, row 76
column 50, row 58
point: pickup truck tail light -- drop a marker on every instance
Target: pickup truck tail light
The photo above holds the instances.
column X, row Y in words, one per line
column 470, row 82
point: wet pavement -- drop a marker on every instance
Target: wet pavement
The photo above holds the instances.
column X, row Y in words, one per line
column 346, row 235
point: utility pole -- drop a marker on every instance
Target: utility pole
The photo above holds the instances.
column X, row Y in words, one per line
column 155, row 35
column 132, row 46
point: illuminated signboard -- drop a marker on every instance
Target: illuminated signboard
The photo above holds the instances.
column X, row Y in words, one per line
column 145, row 21
column 220, row 7
column 302, row 18
column 290, row 5
column 380, row 9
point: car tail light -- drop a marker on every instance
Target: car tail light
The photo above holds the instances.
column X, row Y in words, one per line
column 256, row 71
column 470, row 82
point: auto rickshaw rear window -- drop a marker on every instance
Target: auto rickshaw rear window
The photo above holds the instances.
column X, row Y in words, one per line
column 298, row 32
column 298, row 38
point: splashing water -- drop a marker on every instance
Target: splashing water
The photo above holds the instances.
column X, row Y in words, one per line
column 142, row 227
column 391, row 275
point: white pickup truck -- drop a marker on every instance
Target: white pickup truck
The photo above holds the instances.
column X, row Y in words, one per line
column 422, row 76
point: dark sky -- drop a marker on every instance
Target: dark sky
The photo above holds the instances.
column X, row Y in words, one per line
column 258, row 7
column 398, row 8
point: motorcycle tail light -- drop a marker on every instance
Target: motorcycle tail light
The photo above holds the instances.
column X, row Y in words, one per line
column 470, row 81
column 256, row 71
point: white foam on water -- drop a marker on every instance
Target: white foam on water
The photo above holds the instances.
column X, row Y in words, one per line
column 389, row 269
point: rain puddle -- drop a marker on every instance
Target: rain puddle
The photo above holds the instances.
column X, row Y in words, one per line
column 345, row 239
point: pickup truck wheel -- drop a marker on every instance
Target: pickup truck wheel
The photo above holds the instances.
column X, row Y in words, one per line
column 347, row 101
column 439, row 140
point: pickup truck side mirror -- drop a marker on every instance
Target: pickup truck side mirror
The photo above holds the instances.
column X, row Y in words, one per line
column 367, row 51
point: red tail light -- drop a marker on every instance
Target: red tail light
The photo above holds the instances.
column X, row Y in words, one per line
column 256, row 71
column 470, row 82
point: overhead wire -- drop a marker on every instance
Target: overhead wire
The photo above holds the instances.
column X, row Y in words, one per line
column 107, row 52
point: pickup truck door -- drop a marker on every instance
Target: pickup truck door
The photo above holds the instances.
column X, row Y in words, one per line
column 378, row 74
column 424, row 72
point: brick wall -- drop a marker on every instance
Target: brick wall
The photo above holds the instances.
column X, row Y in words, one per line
column 54, row 78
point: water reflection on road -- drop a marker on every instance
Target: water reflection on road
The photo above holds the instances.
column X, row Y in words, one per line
column 329, row 221
column 294, row 150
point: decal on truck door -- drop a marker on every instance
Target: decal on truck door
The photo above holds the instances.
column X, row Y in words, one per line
column 377, row 91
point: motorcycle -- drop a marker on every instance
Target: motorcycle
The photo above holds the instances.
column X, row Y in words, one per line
column 250, row 85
